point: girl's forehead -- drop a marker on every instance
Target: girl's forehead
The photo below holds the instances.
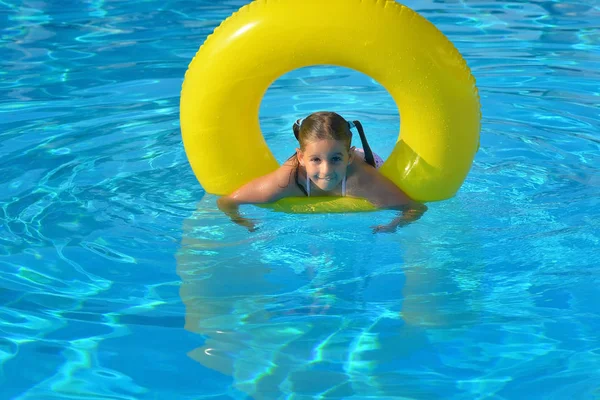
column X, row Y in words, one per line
column 326, row 146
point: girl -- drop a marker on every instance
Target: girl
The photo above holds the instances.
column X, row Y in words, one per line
column 326, row 165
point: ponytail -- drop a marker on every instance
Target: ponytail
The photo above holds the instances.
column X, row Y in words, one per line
column 363, row 139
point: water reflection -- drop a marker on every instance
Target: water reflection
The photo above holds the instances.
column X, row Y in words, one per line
column 318, row 312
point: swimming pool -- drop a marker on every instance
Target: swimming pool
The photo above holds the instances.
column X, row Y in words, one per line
column 120, row 279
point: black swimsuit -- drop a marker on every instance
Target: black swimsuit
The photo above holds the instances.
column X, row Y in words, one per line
column 298, row 182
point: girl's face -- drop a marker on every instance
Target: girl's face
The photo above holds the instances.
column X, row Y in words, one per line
column 325, row 162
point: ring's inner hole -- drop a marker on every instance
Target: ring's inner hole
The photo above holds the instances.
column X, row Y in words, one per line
column 351, row 94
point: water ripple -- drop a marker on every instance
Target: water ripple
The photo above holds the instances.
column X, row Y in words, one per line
column 97, row 197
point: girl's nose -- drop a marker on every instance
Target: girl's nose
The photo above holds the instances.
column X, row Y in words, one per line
column 327, row 168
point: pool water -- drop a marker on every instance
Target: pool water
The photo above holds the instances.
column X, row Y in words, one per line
column 120, row 279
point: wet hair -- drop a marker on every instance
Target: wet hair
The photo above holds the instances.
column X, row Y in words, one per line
column 326, row 125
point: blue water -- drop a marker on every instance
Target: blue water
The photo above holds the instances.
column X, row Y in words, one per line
column 120, row 279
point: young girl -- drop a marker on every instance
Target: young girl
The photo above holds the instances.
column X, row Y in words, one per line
column 326, row 165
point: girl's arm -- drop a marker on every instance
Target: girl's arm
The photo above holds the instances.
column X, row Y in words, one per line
column 266, row 189
column 410, row 213
column 231, row 208
column 384, row 194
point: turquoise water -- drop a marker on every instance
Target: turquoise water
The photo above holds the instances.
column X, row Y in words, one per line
column 119, row 278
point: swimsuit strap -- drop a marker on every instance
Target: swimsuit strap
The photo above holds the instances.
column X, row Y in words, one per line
column 298, row 182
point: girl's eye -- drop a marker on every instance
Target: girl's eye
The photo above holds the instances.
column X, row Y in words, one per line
column 315, row 159
column 337, row 159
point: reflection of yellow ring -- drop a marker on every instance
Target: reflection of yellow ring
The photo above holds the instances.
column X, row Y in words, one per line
column 424, row 73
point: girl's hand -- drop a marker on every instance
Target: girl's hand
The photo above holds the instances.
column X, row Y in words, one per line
column 245, row 222
column 410, row 213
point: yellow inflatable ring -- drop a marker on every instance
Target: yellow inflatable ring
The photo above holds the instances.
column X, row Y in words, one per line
column 421, row 69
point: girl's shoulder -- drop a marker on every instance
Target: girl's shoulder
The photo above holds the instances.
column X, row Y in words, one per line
column 367, row 182
column 360, row 173
column 285, row 177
